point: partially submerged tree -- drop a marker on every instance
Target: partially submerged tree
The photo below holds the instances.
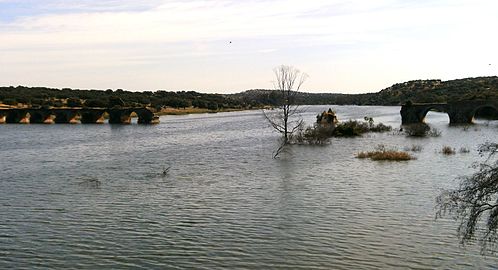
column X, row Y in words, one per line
column 475, row 203
column 287, row 119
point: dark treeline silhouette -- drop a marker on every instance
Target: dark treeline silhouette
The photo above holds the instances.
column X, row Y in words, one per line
column 41, row 96
column 419, row 91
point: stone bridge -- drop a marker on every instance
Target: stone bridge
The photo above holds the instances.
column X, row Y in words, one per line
column 461, row 112
column 76, row 115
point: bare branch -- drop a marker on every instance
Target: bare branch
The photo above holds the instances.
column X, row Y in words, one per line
column 289, row 81
column 475, row 200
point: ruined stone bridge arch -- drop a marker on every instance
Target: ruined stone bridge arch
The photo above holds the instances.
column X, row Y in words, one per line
column 461, row 112
column 72, row 115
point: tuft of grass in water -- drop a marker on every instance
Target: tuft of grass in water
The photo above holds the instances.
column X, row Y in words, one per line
column 463, row 150
column 448, row 150
column 421, row 130
column 381, row 153
column 413, row 148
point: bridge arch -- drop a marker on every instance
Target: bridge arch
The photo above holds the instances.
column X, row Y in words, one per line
column 435, row 109
column 117, row 115
column 92, row 116
column 17, row 116
column 490, row 109
column 459, row 112
column 123, row 116
column 40, row 116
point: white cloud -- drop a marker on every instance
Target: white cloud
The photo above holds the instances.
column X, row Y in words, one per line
column 383, row 40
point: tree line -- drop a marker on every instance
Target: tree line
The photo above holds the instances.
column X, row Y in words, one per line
column 418, row 91
column 42, row 96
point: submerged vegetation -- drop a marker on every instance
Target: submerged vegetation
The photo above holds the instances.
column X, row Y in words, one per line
column 353, row 128
column 421, row 130
column 381, row 153
column 323, row 130
column 448, row 150
column 475, row 203
column 413, row 148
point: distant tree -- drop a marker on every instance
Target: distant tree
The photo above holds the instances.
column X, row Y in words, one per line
column 74, row 102
column 183, row 103
column 96, row 103
column 287, row 119
column 115, row 101
column 57, row 103
column 10, row 101
column 475, row 203
column 198, row 103
column 37, row 102
column 212, row 106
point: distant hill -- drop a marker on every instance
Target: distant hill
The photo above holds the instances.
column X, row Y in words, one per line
column 418, row 91
column 439, row 91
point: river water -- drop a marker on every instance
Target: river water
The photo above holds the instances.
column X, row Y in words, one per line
column 94, row 196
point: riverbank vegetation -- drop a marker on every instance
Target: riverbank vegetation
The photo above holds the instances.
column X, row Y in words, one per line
column 167, row 101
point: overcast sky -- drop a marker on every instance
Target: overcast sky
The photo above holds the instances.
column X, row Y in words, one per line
column 225, row 46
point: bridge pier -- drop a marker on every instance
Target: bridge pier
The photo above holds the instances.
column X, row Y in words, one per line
column 410, row 115
column 119, row 116
column 65, row 116
column 40, row 117
column 459, row 117
column 92, row 116
column 144, row 116
column 3, row 116
column 17, row 116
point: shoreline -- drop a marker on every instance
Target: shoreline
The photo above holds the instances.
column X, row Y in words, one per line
column 191, row 110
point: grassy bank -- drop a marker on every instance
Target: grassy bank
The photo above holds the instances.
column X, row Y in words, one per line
column 192, row 110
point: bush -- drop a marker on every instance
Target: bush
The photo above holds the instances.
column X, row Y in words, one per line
column 421, row 130
column 356, row 128
column 350, row 129
column 10, row 101
column 96, row 103
column 447, row 150
column 320, row 133
column 314, row 135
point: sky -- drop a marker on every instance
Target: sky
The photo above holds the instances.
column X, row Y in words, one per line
column 228, row 46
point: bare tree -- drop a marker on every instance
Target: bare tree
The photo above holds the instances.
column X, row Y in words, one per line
column 287, row 118
column 475, row 203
